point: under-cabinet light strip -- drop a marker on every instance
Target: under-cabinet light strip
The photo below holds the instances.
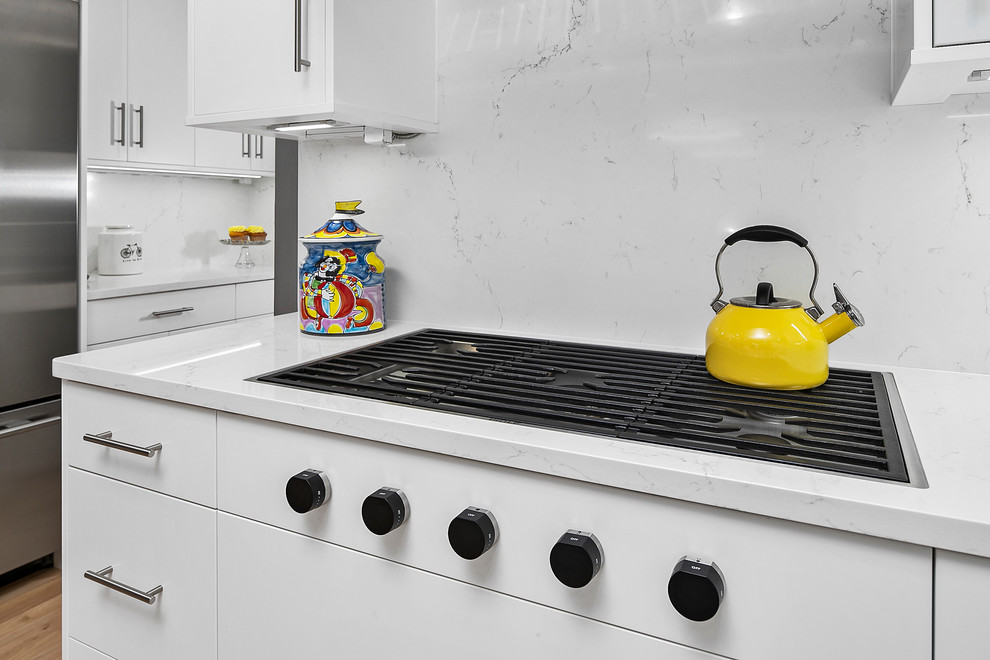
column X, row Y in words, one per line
column 152, row 170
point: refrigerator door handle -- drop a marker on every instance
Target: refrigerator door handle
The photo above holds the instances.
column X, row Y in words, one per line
column 36, row 424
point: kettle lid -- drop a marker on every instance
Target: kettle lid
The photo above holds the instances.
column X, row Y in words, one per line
column 764, row 299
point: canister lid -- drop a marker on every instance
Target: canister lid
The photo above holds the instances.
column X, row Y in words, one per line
column 342, row 227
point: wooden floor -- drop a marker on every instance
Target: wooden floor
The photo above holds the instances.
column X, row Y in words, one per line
column 31, row 617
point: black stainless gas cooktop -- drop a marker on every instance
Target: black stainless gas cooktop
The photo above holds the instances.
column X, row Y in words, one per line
column 845, row 425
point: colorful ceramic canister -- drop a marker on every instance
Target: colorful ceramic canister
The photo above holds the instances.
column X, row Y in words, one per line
column 342, row 279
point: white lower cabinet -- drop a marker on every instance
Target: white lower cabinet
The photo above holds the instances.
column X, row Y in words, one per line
column 284, row 595
column 962, row 604
column 148, row 540
column 76, row 650
column 121, row 320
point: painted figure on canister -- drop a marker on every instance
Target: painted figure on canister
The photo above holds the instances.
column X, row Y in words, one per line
column 342, row 279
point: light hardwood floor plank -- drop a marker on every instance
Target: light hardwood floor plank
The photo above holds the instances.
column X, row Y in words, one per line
column 31, row 617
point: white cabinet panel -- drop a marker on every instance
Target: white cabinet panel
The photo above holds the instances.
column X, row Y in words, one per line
column 235, row 151
column 149, row 540
column 223, row 150
column 320, row 598
column 255, row 298
column 243, row 73
column 263, row 154
column 244, row 55
column 890, row 615
column 962, row 603
column 105, row 68
column 185, row 466
column 156, row 82
column 110, row 319
column 135, row 78
column 960, row 22
column 936, row 47
column 76, row 650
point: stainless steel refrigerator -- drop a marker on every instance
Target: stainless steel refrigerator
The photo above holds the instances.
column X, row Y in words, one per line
column 39, row 91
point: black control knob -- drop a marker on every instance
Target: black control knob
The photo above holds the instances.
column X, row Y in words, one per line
column 576, row 558
column 384, row 510
column 696, row 589
column 472, row 533
column 307, row 490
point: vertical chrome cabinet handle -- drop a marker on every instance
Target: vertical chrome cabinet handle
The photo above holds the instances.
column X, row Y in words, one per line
column 113, row 111
column 245, row 145
column 299, row 61
column 140, row 112
column 259, row 146
column 106, row 440
column 103, row 577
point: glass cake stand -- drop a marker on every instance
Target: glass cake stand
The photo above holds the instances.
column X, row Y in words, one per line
column 244, row 259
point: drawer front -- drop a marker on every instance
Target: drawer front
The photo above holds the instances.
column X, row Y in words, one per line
column 76, row 650
column 111, row 319
column 351, row 605
column 769, row 565
column 185, row 466
column 255, row 298
column 149, row 540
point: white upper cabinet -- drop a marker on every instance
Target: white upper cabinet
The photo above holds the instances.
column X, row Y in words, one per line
column 254, row 64
column 135, row 73
column 960, row 22
column 939, row 48
column 229, row 152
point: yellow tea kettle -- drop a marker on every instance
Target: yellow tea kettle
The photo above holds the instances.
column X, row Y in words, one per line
column 768, row 342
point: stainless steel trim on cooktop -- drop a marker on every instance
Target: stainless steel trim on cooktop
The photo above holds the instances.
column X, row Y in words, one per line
column 853, row 424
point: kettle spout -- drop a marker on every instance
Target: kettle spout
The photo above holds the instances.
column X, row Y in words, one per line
column 845, row 319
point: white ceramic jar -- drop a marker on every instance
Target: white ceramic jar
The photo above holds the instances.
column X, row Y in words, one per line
column 120, row 250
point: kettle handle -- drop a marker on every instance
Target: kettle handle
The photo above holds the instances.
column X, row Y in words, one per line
column 767, row 234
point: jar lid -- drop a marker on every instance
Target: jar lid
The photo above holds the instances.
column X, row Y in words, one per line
column 120, row 226
column 342, row 227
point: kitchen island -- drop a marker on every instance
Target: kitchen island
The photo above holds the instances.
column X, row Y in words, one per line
column 801, row 551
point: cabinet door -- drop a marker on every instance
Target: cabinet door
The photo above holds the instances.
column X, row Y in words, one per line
column 263, row 154
column 76, row 650
column 955, row 22
column 149, row 540
column 244, row 52
column 223, row 150
column 105, row 50
column 254, row 298
column 284, row 595
column 156, row 82
column 962, row 600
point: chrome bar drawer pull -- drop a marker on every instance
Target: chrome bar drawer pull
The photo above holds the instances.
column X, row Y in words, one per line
column 168, row 312
column 103, row 577
column 106, row 439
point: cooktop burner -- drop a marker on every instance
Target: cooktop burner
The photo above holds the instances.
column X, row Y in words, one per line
column 845, row 425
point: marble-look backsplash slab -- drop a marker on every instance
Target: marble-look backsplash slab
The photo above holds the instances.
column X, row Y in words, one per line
column 183, row 218
column 593, row 155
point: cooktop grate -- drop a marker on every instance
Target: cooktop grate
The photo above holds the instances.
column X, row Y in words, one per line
column 845, row 425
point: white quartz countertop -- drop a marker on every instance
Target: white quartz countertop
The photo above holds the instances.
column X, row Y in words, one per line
column 948, row 414
column 99, row 287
